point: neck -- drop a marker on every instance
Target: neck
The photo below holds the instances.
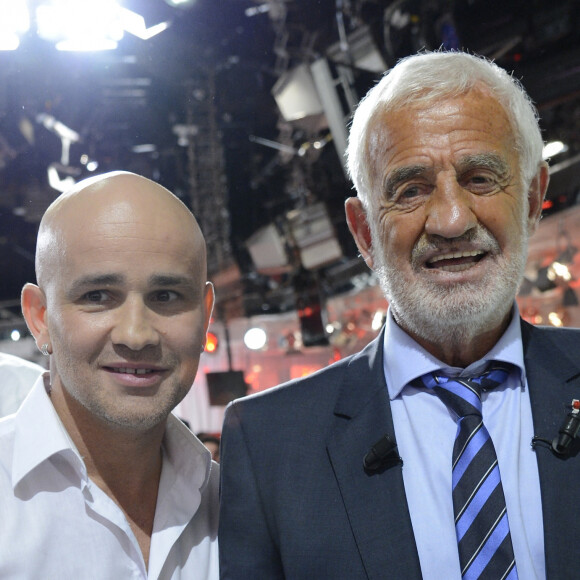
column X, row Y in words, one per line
column 460, row 346
column 124, row 463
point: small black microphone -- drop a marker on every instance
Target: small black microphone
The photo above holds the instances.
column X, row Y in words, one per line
column 568, row 430
column 383, row 454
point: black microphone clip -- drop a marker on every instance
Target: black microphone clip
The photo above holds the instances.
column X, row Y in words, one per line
column 565, row 444
column 382, row 455
column 568, row 430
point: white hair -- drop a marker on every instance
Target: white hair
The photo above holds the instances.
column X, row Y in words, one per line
column 428, row 77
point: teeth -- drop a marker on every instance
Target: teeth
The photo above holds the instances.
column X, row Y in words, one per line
column 456, row 255
column 131, row 371
column 457, row 268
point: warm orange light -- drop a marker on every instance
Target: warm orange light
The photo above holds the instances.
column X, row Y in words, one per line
column 211, row 343
column 300, row 371
column 547, row 204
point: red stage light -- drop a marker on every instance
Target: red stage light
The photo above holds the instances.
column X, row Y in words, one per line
column 211, row 342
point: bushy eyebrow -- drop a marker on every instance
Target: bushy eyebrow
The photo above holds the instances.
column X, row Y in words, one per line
column 490, row 161
column 400, row 175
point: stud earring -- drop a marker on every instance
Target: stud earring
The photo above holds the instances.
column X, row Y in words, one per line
column 44, row 349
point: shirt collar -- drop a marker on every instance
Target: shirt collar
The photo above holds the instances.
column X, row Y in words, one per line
column 40, row 434
column 405, row 360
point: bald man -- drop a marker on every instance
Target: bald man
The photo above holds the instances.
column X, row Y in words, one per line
column 97, row 478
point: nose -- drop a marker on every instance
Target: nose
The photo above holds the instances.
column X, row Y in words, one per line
column 134, row 326
column 449, row 210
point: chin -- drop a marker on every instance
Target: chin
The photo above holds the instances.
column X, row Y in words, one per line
column 442, row 314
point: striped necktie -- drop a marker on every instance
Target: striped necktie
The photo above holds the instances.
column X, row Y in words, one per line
column 481, row 521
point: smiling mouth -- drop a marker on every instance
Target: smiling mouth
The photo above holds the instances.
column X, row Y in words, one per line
column 132, row 371
column 455, row 261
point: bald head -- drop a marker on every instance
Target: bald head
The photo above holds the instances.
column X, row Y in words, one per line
column 112, row 201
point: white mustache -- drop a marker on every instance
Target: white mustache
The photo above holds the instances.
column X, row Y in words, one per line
column 478, row 237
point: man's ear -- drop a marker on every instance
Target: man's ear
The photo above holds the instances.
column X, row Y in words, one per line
column 209, row 299
column 33, row 303
column 356, row 218
column 536, row 195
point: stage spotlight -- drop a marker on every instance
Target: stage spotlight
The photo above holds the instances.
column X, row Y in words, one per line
column 553, row 148
column 255, row 338
column 181, row 3
column 211, row 343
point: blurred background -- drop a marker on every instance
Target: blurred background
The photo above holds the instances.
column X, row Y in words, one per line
column 241, row 108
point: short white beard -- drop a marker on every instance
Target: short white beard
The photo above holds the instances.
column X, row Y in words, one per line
column 450, row 314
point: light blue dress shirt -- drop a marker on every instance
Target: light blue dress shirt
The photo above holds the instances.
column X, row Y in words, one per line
column 425, row 432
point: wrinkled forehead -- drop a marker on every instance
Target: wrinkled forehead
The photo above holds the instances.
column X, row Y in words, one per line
column 386, row 130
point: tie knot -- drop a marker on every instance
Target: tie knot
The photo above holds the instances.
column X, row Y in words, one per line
column 463, row 394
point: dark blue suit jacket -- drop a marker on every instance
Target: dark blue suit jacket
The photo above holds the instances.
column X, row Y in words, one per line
column 298, row 504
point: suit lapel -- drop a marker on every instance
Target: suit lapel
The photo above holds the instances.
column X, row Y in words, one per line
column 375, row 502
column 553, row 375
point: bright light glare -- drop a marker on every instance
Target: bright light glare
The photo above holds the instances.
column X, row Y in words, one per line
column 80, row 24
column 555, row 319
column 9, row 40
column 15, row 335
column 553, row 148
column 14, row 21
column 181, row 3
column 378, row 319
column 558, row 270
column 135, row 24
column 56, row 182
column 255, row 338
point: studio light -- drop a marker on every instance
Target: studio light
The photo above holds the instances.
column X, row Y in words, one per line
column 90, row 25
column 90, row 164
column 553, row 148
column 14, row 21
column 558, row 272
column 57, row 182
column 181, row 3
column 66, row 134
column 255, row 338
column 211, row 343
column 314, row 235
column 134, row 24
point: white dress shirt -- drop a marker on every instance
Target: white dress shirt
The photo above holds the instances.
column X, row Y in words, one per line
column 55, row 523
column 17, row 376
column 425, row 431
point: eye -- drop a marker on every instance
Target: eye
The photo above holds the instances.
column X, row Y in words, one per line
column 411, row 192
column 481, row 182
column 95, row 296
column 165, row 296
